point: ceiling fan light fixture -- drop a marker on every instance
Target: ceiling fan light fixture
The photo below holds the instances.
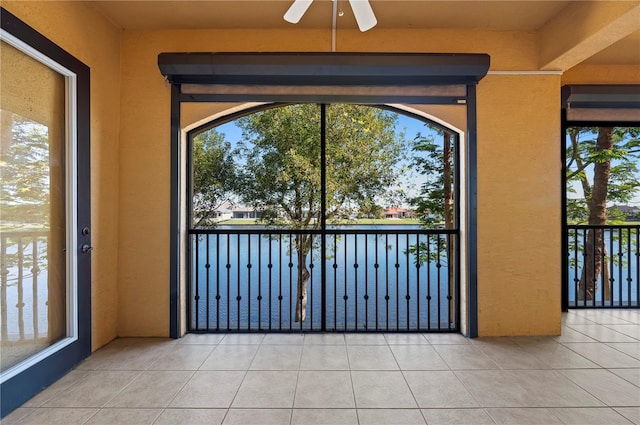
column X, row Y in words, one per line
column 363, row 12
column 296, row 10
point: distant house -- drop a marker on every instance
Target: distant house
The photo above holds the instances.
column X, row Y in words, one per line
column 246, row 212
column 223, row 214
column 396, row 212
column 631, row 213
column 203, row 216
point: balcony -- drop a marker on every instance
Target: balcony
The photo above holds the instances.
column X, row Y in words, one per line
column 590, row 374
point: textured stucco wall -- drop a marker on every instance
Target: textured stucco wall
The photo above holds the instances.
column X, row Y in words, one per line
column 519, row 208
column 518, row 116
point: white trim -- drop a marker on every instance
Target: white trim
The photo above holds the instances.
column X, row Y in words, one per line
column 414, row 111
column 35, row 54
column 220, row 114
column 525, row 73
column 71, row 171
column 71, row 203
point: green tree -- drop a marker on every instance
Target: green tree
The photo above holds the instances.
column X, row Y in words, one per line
column 25, row 193
column 434, row 205
column 24, row 172
column 369, row 209
column 434, row 160
column 214, row 173
column 603, row 161
column 282, row 172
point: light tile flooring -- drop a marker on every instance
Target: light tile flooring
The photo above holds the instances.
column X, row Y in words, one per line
column 589, row 375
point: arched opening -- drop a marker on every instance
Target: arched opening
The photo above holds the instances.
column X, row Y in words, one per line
column 441, row 82
column 315, row 217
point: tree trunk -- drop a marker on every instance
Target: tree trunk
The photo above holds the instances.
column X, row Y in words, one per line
column 446, row 171
column 595, row 254
column 448, row 216
column 592, row 267
column 303, row 245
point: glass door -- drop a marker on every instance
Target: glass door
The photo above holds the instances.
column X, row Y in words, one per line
column 45, row 301
column 32, row 213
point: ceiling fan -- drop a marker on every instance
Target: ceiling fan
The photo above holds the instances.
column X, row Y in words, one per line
column 361, row 9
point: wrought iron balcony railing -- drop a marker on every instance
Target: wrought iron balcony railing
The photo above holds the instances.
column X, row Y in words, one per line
column 383, row 279
column 603, row 266
column 23, row 285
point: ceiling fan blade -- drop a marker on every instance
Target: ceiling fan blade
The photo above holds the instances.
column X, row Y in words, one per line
column 297, row 9
column 364, row 14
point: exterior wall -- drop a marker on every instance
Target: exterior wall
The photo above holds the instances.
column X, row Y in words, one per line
column 145, row 161
column 93, row 40
column 519, row 206
column 518, row 119
column 601, row 74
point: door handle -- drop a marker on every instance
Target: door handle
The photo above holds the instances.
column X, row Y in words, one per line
column 86, row 248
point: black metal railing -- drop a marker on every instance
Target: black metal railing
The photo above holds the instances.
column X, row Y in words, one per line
column 602, row 268
column 23, row 285
column 356, row 280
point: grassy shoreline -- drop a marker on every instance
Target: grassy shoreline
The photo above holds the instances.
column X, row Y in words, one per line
column 363, row 221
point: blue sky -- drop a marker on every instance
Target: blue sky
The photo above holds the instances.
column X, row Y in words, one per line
column 408, row 125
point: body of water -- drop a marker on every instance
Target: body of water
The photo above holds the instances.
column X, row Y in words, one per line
column 372, row 281
column 622, row 247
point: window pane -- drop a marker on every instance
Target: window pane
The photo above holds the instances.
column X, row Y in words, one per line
column 32, row 207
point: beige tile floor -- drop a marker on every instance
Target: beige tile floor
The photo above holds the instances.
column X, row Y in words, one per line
column 589, row 375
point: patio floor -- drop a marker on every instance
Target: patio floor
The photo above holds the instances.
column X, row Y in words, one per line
column 589, row 375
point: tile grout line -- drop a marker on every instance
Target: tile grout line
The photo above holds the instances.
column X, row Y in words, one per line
column 404, row 377
column 593, row 361
column 295, row 390
column 246, row 372
column 584, row 389
column 484, row 409
column 353, row 389
column 118, row 392
column 178, row 392
column 606, row 327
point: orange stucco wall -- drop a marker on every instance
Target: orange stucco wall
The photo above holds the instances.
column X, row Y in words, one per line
column 94, row 41
column 518, row 160
column 519, row 205
column 145, row 161
column 600, row 74
column 518, row 116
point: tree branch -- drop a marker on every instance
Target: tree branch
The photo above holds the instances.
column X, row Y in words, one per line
column 586, row 187
column 575, row 173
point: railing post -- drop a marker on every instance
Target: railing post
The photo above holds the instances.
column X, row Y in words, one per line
column 323, row 208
